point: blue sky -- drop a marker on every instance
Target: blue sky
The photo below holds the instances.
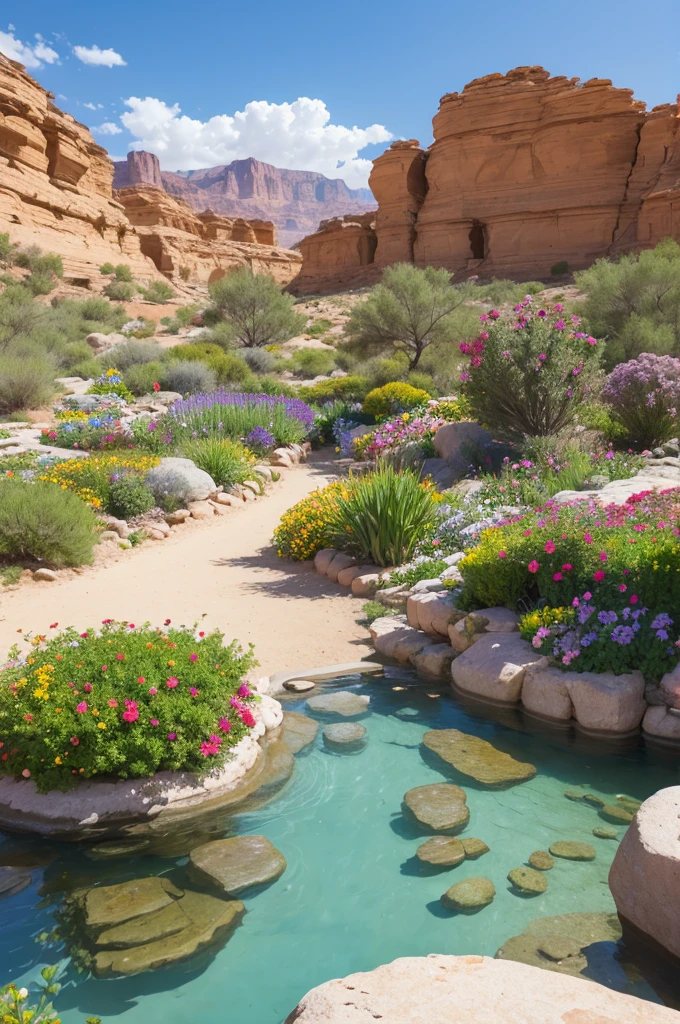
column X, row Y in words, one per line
column 375, row 70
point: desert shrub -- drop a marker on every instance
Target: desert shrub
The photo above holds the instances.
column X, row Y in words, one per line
column 224, row 460
column 427, row 569
column 147, row 330
column 529, row 373
column 107, row 268
column 644, row 394
column 348, row 389
column 559, row 268
column 235, row 414
column 270, row 385
column 184, row 273
column 158, row 291
column 42, row 263
column 318, row 328
column 254, row 308
column 311, row 362
column 123, row 272
column 8, row 250
column 140, row 379
column 634, row 302
column 373, row 610
column 110, row 383
column 453, row 410
column 423, row 382
column 259, row 360
column 189, row 377
column 43, row 522
column 501, row 290
column 120, row 291
column 133, row 702
column 409, row 310
column 381, row 516
column 306, row 527
column 129, row 497
column 134, row 353
column 91, row 479
column 26, row 378
column 227, row 367
column 393, row 398
column 378, row 371
column 41, row 283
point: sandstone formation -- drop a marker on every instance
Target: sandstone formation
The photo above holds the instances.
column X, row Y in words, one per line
column 295, row 200
column 201, row 248
column 526, row 171
column 55, row 185
column 472, row 989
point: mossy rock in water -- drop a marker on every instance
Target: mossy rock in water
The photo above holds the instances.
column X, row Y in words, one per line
column 473, row 756
column 541, row 860
column 574, row 794
column 573, row 851
column 468, row 896
column 345, row 737
column 441, row 851
column 474, row 848
column 440, row 807
column 298, row 731
column 593, row 800
column 605, row 833
column 629, row 802
column 234, row 865
column 617, row 814
column 564, row 943
column 527, row 880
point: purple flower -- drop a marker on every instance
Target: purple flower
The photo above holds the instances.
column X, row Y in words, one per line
column 607, row 618
column 588, row 639
column 622, row 635
column 662, row 621
column 260, row 438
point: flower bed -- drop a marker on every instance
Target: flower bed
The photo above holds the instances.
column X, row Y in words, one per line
column 92, row 478
column 236, row 415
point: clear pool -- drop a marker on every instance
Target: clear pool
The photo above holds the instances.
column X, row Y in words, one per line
column 352, row 897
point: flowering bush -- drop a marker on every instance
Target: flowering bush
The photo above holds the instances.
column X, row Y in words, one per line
column 236, row 415
column 345, row 389
column 306, row 527
column 92, row 478
column 393, row 398
column 122, row 701
column 406, row 429
column 103, row 431
column 529, row 373
column 619, row 637
column 645, row 395
column 111, row 383
column 260, row 440
column 451, row 410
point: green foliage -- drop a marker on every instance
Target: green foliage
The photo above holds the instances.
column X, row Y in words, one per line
column 254, row 308
column 133, row 353
column 158, row 291
column 428, row 569
column 373, row 610
column 307, row 527
column 7, row 250
column 189, row 377
column 133, row 702
column 260, row 360
column 318, row 328
column 559, row 268
column 348, row 389
column 120, row 291
column 408, row 311
column 104, row 386
column 634, row 302
column 311, row 362
column 40, row 283
column 107, row 268
column 129, row 497
column 500, row 291
column 141, row 377
column 33, row 1004
column 10, row 575
column 377, row 371
column 381, row 516
column 393, row 398
column 123, row 273
column 43, row 522
column 147, row 330
column 26, row 378
column 224, row 460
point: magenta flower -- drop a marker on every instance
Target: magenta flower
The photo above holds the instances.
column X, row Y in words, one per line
column 154, row 721
column 622, row 588
column 549, row 547
column 533, row 566
column 587, row 539
column 75, row 741
column 598, row 576
column 172, row 682
column 557, row 577
column 603, row 556
column 153, row 691
column 193, row 691
column 567, row 567
column 247, row 718
column 120, row 657
column 105, row 668
column 587, row 596
column 560, row 325
column 558, row 307
column 224, row 725
column 172, row 736
column 244, row 690
column 87, row 687
column 502, row 554
column 193, row 657
column 112, row 703
column 634, row 599
column 81, row 708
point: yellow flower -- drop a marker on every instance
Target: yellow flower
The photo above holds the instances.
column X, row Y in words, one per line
column 94, row 711
column 57, row 760
column 101, row 725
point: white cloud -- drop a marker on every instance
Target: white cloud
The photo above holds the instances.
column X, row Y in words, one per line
column 31, row 55
column 103, row 58
column 295, row 135
column 108, row 128
column 94, row 106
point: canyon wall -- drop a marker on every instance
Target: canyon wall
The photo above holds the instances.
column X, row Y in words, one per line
column 296, row 201
column 526, row 172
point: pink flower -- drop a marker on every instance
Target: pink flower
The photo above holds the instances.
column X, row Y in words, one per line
column 587, row 596
column 28, row 718
column 494, row 314
column 502, row 554
column 622, row 588
column 567, row 567
column 75, row 741
column 587, row 538
column 84, row 635
column 244, row 690
column 634, row 599
column 81, row 708
column 557, row 577
column 172, row 682
column 575, row 603
column 105, row 668
column 526, row 533
column 153, row 691
column 559, row 325
column 542, row 356
column 172, row 736
column 131, row 714
column 247, row 718
column 558, row 307
column 549, row 547
column 88, row 687
column 154, row 721
column 193, row 657
column 533, row 566
column 603, row 556
column 224, row 725
column 120, row 657
column 141, row 679
column 193, row 691
column 112, row 703
column 598, row 576
column 26, row 773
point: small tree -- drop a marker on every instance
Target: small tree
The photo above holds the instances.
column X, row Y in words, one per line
column 255, row 309
column 409, row 310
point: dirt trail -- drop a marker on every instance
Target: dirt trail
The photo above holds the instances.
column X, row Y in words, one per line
column 226, row 569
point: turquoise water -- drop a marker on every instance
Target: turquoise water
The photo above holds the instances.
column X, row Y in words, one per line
column 352, row 897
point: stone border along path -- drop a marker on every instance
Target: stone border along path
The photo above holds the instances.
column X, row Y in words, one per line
column 226, row 570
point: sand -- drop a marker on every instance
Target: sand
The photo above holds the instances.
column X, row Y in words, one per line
column 224, row 570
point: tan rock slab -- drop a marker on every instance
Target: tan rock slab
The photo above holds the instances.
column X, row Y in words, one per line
column 433, row 661
column 340, row 562
column 232, row 866
column 661, row 723
column 541, row 860
column 468, row 896
column 545, row 692
column 440, row 807
column 473, row 756
column 573, row 850
column 528, row 880
column 298, row 730
column 604, row 702
column 494, row 667
column 365, row 585
column 474, row 847
column 107, row 905
column 340, row 702
column 441, row 851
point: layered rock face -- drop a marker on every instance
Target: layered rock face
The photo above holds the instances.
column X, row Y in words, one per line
column 294, row 200
column 55, row 185
column 202, row 248
column 527, row 171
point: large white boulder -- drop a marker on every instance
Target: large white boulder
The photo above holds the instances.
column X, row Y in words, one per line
column 645, row 876
column 180, row 479
column 494, row 667
column 604, row 702
column 545, row 692
column 438, row 989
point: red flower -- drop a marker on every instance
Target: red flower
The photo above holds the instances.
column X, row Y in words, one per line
column 54, row 625
column 598, row 576
column 156, row 386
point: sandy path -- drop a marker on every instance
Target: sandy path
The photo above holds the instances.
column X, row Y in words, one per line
column 226, row 569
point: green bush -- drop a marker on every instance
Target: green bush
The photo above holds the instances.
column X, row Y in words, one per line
column 499, row 291
column 190, row 378
column 129, row 497
column 8, row 250
column 43, row 522
column 140, row 379
column 107, row 268
column 318, row 328
column 133, row 353
column 120, row 291
column 259, row 360
column 378, row 371
column 126, row 710
column 123, row 273
column 373, row 610
column 224, row 460
column 158, row 291
column 254, row 308
column 349, row 389
column 393, row 398
column 40, row 283
column 26, row 378
column 560, row 268
column 311, row 362
column 429, row 569
column 381, row 516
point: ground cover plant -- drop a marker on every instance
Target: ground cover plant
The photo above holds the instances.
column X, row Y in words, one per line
column 94, row 478
column 43, row 522
column 393, row 398
column 227, row 462
column 123, row 701
column 306, row 528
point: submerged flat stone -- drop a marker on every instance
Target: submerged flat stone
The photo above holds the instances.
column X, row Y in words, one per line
column 234, row 865
column 298, row 731
column 573, row 851
column 474, row 848
column 563, row 943
column 473, row 756
column 440, row 807
column 528, row 880
column 469, row 895
column 340, row 702
column 617, row 813
column 605, row 833
column 148, row 928
column 442, row 851
column 541, row 860
column 345, row 737
column 12, row 881
column 107, row 905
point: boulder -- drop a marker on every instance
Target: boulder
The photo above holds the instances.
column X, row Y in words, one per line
column 433, row 660
column 454, row 440
column 365, row 585
column 180, row 515
column 340, row 702
column 232, row 866
column 541, row 860
column 469, row 896
column 545, row 691
column 573, row 850
column 617, row 814
column 669, row 688
column 340, row 562
column 474, row 848
column 604, row 702
column 181, row 480
column 396, row 640
column 494, row 667
column 45, row 575
column 661, row 723
column 201, row 509
column 298, row 731
column 441, row 851
column 103, row 342
column 432, row 612
column 347, row 576
column 299, row 685
column 528, row 880
column 345, row 737
column 440, row 989
column 439, row 807
column 605, row 833
column 645, row 875
column 12, row 881
column 477, row 758
column 499, row 620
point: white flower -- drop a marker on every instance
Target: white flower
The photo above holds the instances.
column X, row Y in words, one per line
column 23, row 993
